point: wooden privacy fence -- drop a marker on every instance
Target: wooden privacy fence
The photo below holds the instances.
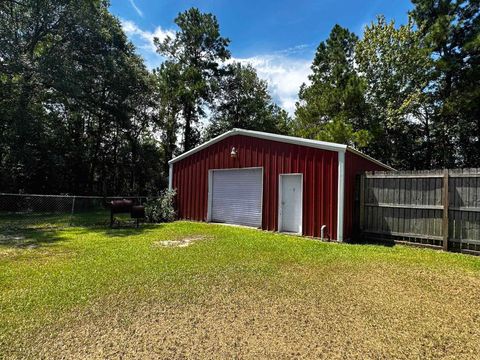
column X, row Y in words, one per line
column 438, row 208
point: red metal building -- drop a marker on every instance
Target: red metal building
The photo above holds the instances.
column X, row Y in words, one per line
column 274, row 182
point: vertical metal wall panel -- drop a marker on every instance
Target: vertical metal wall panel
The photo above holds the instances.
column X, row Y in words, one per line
column 354, row 165
column 319, row 169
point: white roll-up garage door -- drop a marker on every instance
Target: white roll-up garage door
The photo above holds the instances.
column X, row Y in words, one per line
column 237, row 196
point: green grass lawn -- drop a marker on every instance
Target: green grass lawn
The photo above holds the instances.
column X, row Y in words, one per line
column 231, row 293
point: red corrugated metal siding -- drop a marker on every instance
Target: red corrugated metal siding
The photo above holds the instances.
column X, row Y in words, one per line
column 319, row 168
column 354, row 165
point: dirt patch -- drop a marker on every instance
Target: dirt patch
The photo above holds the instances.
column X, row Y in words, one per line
column 183, row 242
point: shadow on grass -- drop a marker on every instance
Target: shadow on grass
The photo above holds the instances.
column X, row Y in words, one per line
column 31, row 230
column 19, row 221
column 28, row 238
column 122, row 230
column 373, row 241
column 42, row 220
column 34, row 238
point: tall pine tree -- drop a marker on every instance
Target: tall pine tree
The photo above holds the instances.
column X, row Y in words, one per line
column 243, row 101
column 197, row 48
column 332, row 107
column 451, row 31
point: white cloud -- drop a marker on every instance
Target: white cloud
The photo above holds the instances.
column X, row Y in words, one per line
column 284, row 75
column 136, row 8
column 282, row 70
column 143, row 38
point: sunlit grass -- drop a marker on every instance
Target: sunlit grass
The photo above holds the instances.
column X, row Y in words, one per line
column 110, row 279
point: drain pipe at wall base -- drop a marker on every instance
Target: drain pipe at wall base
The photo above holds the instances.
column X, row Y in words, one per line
column 322, row 232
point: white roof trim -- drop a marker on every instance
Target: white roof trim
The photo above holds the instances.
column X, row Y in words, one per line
column 267, row 136
column 280, row 138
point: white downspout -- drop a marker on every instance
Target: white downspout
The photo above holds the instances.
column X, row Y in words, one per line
column 341, row 194
column 170, row 176
column 322, row 232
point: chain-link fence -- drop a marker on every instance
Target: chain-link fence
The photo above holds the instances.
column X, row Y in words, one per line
column 21, row 211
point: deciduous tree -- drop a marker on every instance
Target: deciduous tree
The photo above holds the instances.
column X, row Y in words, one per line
column 397, row 72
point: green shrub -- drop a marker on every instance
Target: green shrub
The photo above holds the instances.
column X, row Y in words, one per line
column 161, row 209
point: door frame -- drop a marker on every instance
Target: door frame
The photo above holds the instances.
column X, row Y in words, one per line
column 280, row 187
column 210, row 189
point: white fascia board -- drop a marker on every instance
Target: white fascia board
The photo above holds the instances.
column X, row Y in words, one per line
column 340, row 194
column 292, row 140
column 202, row 146
column 267, row 136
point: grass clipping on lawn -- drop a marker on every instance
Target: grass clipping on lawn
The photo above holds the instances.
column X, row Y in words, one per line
column 248, row 294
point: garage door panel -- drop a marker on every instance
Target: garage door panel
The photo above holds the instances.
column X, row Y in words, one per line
column 237, row 196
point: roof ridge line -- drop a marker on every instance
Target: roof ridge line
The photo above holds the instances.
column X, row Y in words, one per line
column 323, row 145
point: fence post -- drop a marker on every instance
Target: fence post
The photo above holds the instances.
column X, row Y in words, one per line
column 73, row 209
column 446, row 202
column 362, row 202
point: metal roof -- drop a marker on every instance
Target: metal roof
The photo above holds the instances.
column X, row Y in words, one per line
column 280, row 138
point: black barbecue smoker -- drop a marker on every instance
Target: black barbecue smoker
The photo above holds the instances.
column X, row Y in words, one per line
column 126, row 206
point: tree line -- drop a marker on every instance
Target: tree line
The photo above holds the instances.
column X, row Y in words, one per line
column 81, row 114
column 408, row 95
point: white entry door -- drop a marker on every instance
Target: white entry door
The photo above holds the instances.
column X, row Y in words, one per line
column 236, row 196
column 290, row 203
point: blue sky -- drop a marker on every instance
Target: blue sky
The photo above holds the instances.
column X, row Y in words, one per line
column 278, row 38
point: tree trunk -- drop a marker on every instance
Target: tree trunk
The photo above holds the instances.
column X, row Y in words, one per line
column 187, row 132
